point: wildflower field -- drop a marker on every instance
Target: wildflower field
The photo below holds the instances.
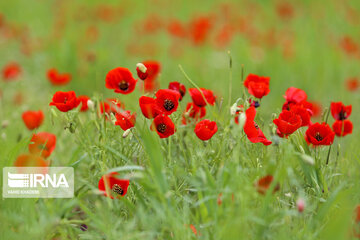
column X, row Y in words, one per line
column 183, row 119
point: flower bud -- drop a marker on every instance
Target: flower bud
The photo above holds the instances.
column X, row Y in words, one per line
column 126, row 133
column 91, row 104
column 300, row 204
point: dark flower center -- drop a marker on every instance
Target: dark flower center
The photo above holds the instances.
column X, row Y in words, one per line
column 318, row 136
column 124, row 85
column 161, row 128
column 256, row 104
column 65, row 100
column 168, row 105
column 117, row 189
column 342, row 115
column 256, row 126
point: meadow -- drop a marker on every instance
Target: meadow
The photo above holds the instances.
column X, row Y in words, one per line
column 190, row 164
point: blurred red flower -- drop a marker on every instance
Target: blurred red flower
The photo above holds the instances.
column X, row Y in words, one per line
column 153, row 70
column 167, row 100
column 199, row 100
column 58, row 79
column 319, row 134
column 83, row 100
column 33, row 119
column 194, row 112
column 176, row 29
column 65, row 101
column 287, row 122
column 30, row 160
column 200, row 29
column 339, row 111
column 352, row 84
column 285, row 10
column 264, row 183
column 112, row 186
column 11, row 71
column 42, row 143
column 163, row 125
column 121, row 80
column 252, row 130
column 315, row 108
column 342, row 128
column 110, row 105
column 125, row 120
column 257, row 86
column 205, row 129
column 349, row 46
column 179, row 87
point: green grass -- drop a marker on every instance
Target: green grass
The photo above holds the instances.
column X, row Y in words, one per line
column 181, row 177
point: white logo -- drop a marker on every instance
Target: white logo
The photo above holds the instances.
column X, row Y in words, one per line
column 34, row 182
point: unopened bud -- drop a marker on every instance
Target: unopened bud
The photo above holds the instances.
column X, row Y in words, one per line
column 308, row 159
column 233, row 109
column 242, row 120
column 141, row 67
column 300, row 204
column 126, row 133
column 91, row 104
column 5, row 124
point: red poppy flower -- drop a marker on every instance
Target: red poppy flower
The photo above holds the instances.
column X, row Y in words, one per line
column 357, row 214
column 200, row 29
column 83, row 100
column 342, row 128
column 64, row 101
column 125, row 120
column 176, row 29
column 205, row 129
column 11, row 71
column 112, row 186
column 287, row 122
column 264, row 183
column 111, row 105
column 319, row 134
column 180, row 88
column 285, row 10
column 352, row 84
column 303, row 113
column 257, row 86
column 163, row 125
column 194, row 112
column 252, row 130
column 153, row 69
column 294, row 96
column 149, row 107
column 339, row 111
column 29, row 160
column 121, row 80
column 42, row 143
column 199, row 100
column 58, row 79
column 349, row 45
column 33, row 119
column 167, row 100
column 315, row 108
column 357, row 222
